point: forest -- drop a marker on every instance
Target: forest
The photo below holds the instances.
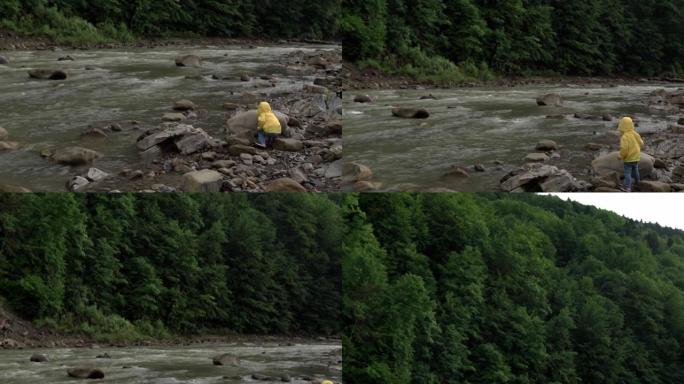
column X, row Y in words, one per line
column 481, row 38
column 73, row 21
column 129, row 267
column 481, row 289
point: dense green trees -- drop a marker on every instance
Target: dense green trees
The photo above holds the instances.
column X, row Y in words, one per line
column 572, row 37
column 122, row 19
column 481, row 289
column 186, row 263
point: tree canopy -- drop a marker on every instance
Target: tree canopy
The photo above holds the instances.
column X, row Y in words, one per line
column 120, row 19
column 178, row 262
column 481, row 289
column 570, row 37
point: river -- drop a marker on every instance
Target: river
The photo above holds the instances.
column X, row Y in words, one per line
column 486, row 125
column 123, row 86
column 172, row 365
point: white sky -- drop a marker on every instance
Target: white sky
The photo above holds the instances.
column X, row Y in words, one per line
column 666, row 209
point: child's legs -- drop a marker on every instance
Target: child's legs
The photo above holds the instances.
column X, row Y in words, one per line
column 628, row 176
column 270, row 138
column 635, row 173
column 261, row 138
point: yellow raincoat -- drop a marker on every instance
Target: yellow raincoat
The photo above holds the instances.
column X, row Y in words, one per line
column 631, row 143
column 268, row 122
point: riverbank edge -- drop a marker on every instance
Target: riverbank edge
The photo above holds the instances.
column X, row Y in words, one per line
column 75, row 341
column 13, row 41
column 356, row 78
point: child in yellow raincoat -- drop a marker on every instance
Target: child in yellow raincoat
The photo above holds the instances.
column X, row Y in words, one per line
column 630, row 152
column 269, row 126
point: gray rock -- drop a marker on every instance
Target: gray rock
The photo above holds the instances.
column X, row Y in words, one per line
column 75, row 156
column 227, row 359
column 95, row 174
column 411, row 113
column 76, row 183
column 3, row 134
column 85, row 373
column 47, row 74
column 8, row 145
column 546, row 145
column 334, row 170
column 354, row 172
column 188, row 61
column 193, row 143
column 170, row 132
column 537, row 177
column 244, row 124
column 537, row 157
column 289, row 145
column 611, row 163
column 551, row 99
column 173, row 117
column 205, row 180
column 39, row 358
column 362, row 99
column 184, row 105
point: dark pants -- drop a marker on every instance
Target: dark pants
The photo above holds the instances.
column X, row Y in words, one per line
column 631, row 174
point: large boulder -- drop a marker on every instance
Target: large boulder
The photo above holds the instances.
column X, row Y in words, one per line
column 47, row 74
column 227, row 359
column 184, row 105
column 7, row 188
column 546, row 145
column 611, row 163
column 163, row 134
column 537, row 177
column 206, row 180
column 244, row 124
column 355, row 172
column 193, row 142
column 551, row 99
column 411, row 113
column 654, row 186
column 284, row 185
column 288, row 145
column 671, row 148
column 85, row 373
column 75, row 156
column 39, row 358
column 188, row 61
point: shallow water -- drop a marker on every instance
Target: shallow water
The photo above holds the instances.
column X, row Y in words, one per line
column 482, row 126
column 127, row 85
column 176, row 364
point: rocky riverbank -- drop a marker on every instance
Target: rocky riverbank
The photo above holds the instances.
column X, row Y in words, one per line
column 185, row 150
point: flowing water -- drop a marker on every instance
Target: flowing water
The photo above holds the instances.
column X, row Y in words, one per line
column 125, row 85
column 192, row 364
column 483, row 126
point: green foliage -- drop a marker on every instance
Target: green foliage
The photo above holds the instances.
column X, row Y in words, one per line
column 79, row 21
column 129, row 267
column 459, row 288
column 439, row 39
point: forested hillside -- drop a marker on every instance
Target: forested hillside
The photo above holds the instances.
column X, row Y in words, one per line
column 129, row 266
column 481, row 289
column 570, row 37
column 75, row 20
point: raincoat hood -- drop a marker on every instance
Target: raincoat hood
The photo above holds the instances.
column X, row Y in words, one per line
column 267, row 120
column 264, row 107
column 626, row 125
column 630, row 143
